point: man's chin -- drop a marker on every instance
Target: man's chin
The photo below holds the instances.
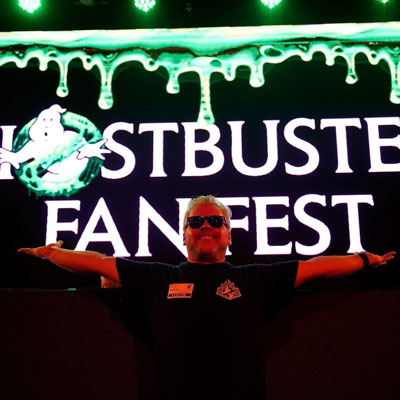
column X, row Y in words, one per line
column 209, row 257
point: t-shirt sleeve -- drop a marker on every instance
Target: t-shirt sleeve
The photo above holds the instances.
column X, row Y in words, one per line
column 142, row 277
column 281, row 276
column 276, row 280
column 134, row 275
column 278, row 284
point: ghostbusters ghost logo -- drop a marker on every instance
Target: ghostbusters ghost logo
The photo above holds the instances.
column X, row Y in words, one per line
column 56, row 154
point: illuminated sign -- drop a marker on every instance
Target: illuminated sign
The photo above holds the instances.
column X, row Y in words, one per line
column 300, row 181
column 205, row 52
column 62, row 165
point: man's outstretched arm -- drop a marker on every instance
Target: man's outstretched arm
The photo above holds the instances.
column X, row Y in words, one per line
column 77, row 261
column 335, row 266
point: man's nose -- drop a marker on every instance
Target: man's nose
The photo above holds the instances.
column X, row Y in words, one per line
column 206, row 224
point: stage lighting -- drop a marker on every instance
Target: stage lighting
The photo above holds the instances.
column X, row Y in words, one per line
column 29, row 5
column 145, row 5
column 383, row 1
column 271, row 3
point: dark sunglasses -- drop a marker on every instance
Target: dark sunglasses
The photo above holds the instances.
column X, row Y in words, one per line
column 197, row 221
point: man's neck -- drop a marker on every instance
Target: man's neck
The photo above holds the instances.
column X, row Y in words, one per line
column 206, row 261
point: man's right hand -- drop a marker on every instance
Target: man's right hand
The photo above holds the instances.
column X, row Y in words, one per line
column 77, row 261
column 41, row 251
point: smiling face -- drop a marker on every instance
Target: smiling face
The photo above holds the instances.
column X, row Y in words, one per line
column 206, row 245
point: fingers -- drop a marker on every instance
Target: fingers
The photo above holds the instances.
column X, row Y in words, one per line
column 391, row 254
column 379, row 260
column 41, row 251
column 26, row 250
column 388, row 256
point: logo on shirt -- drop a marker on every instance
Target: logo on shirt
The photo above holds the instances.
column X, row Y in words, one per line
column 180, row 290
column 228, row 290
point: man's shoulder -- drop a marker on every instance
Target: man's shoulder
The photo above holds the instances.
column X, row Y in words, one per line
column 129, row 267
column 148, row 264
column 261, row 265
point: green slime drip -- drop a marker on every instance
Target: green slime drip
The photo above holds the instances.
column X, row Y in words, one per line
column 205, row 51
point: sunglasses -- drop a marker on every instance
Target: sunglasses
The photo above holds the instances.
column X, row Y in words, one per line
column 197, row 221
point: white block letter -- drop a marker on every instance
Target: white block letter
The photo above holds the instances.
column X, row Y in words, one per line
column 315, row 224
column 341, row 139
column 146, row 214
column 111, row 235
column 264, row 223
column 352, row 202
column 309, row 149
column 191, row 147
column 272, row 149
column 376, row 142
column 124, row 152
column 158, row 130
column 53, row 225
column 7, row 143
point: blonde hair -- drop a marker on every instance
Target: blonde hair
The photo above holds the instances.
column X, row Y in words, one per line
column 208, row 199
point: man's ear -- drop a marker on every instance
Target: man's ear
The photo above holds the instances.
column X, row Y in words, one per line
column 184, row 238
column 229, row 239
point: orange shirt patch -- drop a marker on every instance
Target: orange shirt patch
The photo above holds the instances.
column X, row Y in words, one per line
column 180, row 290
column 228, row 290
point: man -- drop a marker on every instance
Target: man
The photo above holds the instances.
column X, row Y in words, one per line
column 207, row 318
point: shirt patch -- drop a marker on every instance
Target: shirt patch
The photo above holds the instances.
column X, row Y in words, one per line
column 228, row 290
column 180, row 290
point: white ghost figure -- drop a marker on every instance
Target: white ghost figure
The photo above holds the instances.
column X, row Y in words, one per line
column 47, row 128
column 47, row 133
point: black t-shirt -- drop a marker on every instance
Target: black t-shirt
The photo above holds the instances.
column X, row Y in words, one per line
column 207, row 323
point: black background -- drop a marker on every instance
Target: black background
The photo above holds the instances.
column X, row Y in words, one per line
column 120, row 14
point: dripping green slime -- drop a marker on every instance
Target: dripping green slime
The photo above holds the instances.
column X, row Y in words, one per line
column 205, row 51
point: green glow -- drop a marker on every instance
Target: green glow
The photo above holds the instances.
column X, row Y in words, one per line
column 383, row 1
column 32, row 173
column 29, row 5
column 205, row 51
column 271, row 3
column 145, row 5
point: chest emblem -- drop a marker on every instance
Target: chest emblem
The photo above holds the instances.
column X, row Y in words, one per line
column 228, row 290
column 180, row 290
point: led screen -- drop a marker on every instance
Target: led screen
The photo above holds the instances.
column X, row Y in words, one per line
column 105, row 136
